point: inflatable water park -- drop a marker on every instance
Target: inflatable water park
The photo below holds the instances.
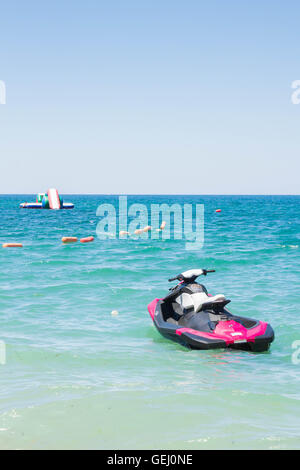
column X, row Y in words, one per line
column 49, row 200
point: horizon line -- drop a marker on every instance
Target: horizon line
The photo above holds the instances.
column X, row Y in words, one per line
column 155, row 194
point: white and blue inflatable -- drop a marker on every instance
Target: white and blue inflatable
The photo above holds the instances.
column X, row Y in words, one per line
column 49, row 200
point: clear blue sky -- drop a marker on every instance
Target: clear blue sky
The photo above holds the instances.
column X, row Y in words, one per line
column 150, row 96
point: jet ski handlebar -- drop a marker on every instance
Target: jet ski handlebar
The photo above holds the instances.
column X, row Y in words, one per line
column 191, row 275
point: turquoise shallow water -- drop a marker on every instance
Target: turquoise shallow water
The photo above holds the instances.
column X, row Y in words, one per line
column 77, row 377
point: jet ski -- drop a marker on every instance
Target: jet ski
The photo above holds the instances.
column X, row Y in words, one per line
column 191, row 316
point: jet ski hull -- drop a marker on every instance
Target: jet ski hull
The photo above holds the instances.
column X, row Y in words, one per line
column 233, row 332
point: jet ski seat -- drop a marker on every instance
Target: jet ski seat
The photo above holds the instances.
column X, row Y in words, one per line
column 200, row 301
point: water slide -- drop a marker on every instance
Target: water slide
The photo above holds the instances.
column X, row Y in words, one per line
column 49, row 200
column 54, row 201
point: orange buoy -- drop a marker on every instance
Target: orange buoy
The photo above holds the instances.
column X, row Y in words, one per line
column 138, row 231
column 12, row 245
column 69, row 239
column 147, row 228
column 87, row 239
column 218, row 210
column 164, row 223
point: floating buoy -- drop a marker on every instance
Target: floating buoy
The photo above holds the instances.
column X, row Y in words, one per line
column 87, row 239
column 12, row 245
column 218, row 210
column 123, row 232
column 138, row 231
column 162, row 226
column 114, row 313
column 147, row 228
column 69, row 239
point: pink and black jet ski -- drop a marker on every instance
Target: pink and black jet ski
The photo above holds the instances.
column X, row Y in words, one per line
column 191, row 316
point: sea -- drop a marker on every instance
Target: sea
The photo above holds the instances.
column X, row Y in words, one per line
column 74, row 375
